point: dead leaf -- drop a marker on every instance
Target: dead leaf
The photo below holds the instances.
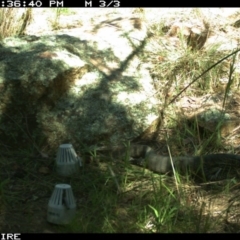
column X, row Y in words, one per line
column 44, row 170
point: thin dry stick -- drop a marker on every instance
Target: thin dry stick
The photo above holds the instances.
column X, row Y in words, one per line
column 233, row 131
column 202, row 75
column 174, row 171
column 230, row 80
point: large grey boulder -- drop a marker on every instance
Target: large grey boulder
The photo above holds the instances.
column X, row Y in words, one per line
column 87, row 87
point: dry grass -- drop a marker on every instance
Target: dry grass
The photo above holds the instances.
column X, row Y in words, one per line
column 147, row 202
